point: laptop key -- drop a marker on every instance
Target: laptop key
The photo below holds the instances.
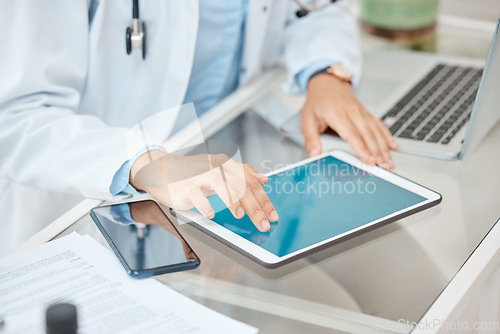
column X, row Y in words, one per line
column 393, row 112
column 407, row 115
column 408, row 97
column 423, row 83
column 435, row 138
column 421, row 135
column 396, row 126
column 438, row 134
column 454, row 132
column 406, row 134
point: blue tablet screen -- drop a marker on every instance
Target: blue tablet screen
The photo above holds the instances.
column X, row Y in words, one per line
column 318, row 201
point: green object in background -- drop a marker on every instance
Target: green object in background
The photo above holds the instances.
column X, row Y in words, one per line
column 399, row 14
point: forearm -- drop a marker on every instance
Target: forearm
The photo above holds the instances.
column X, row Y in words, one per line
column 54, row 149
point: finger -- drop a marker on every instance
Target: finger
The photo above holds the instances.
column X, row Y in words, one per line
column 262, row 198
column 393, row 144
column 374, row 137
column 200, row 202
column 254, row 187
column 311, row 134
column 262, row 178
column 350, row 134
column 365, row 129
column 383, row 144
column 384, row 149
column 226, row 192
column 255, row 212
column 234, row 182
column 238, row 170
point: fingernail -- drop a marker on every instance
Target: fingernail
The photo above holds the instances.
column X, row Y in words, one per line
column 240, row 212
column 390, row 163
column 384, row 165
column 394, row 145
column 274, row 216
column 369, row 159
column 211, row 214
column 314, row 151
column 264, row 224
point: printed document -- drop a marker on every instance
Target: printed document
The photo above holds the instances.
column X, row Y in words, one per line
column 78, row 270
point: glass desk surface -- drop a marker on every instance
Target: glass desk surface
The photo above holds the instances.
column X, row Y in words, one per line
column 370, row 283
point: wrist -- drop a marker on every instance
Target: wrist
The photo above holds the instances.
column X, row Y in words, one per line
column 337, row 71
column 141, row 162
column 325, row 80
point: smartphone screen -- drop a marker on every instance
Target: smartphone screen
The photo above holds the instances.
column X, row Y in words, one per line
column 144, row 239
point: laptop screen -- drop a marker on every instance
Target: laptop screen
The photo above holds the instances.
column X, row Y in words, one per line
column 485, row 113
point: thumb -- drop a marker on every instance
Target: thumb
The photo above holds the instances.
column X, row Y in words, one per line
column 311, row 134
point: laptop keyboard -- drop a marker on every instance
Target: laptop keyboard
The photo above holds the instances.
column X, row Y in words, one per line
column 437, row 107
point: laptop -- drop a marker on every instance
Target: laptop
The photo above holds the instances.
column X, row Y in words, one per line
column 435, row 105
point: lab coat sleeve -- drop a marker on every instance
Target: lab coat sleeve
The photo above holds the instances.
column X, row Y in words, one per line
column 120, row 185
column 43, row 141
column 302, row 78
column 329, row 36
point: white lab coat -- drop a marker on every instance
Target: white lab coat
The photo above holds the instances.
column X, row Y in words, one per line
column 69, row 91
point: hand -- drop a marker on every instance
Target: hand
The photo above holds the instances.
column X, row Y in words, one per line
column 331, row 103
column 184, row 182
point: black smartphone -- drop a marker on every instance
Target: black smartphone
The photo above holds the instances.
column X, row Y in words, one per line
column 143, row 238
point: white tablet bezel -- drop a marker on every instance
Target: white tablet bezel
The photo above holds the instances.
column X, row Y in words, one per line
column 269, row 259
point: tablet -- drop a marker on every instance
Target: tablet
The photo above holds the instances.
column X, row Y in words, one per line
column 321, row 201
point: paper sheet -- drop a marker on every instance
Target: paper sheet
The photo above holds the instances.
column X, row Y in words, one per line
column 79, row 270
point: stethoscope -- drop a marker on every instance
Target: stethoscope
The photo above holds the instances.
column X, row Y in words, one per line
column 304, row 9
column 135, row 36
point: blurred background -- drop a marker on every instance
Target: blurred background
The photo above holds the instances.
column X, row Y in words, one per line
column 457, row 27
column 477, row 9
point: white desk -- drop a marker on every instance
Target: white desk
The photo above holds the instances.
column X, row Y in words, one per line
column 363, row 285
